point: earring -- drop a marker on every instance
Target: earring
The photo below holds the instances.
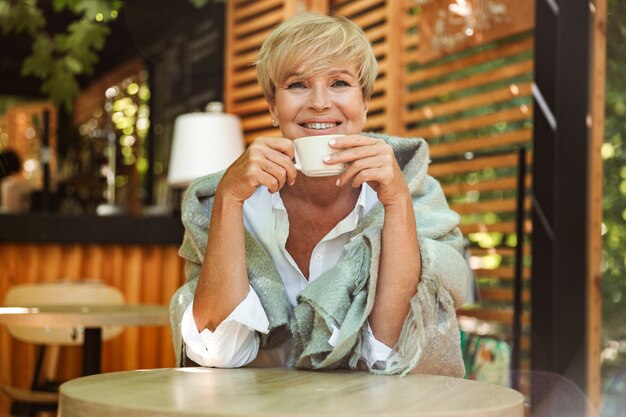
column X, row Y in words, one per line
column 274, row 123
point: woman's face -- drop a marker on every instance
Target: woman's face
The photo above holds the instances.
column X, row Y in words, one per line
column 327, row 103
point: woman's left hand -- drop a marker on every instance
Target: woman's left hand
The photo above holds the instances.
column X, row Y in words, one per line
column 370, row 160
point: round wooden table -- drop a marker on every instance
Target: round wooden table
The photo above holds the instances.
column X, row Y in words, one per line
column 279, row 392
column 92, row 318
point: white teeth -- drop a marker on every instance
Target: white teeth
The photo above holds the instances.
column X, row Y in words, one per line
column 319, row 125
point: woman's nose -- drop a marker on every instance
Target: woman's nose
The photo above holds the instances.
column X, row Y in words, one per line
column 319, row 98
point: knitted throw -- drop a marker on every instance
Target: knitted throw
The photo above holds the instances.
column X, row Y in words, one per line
column 343, row 296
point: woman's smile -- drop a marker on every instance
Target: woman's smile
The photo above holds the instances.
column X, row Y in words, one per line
column 320, row 125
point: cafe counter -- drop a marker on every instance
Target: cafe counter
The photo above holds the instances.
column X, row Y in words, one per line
column 46, row 228
column 138, row 255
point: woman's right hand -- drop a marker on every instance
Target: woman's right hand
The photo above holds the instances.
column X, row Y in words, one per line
column 267, row 161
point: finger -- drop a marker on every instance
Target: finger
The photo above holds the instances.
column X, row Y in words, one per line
column 254, row 165
column 285, row 147
column 270, row 160
column 354, row 167
column 270, row 181
column 374, row 176
column 282, row 145
column 350, row 155
column 350, row 141
column 354, row 154
column 283, row 161
column 276, row 171
column 383, row 166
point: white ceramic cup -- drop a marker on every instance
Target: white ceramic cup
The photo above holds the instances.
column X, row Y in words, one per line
column 310, row 152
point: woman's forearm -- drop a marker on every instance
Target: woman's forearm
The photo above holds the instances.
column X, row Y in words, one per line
column 398, row 272
column 223, row 280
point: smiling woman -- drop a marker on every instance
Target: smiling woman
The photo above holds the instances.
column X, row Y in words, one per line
column 359, row 269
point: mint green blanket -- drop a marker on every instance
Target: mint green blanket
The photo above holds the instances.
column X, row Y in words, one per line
column 343, row 296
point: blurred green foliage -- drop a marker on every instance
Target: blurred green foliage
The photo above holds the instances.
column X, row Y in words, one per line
column 614, row 199
column 58, row 59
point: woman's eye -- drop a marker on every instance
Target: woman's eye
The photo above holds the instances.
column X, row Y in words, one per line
column 341, row 83
column 295, row 85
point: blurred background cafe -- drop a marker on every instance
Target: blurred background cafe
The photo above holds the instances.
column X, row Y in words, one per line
column 109, row 108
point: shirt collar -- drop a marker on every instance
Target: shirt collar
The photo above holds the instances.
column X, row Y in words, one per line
column 348, row 224
column 361, row 202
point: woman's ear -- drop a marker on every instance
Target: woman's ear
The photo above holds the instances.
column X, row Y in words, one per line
column 273, row 114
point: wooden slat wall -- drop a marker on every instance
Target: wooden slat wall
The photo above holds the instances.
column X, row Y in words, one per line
column 475, row 108
column 248, row 24
column 472, row 110
column 145, row 274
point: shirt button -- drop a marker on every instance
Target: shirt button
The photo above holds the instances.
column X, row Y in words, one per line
column 318, row 257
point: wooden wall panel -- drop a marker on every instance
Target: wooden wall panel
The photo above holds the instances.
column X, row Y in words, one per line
column 596, row 177
column 475, row 109
column 248, row 24
column 474, row 116
column 145, row 274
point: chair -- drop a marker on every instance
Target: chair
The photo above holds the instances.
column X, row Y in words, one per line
column 43, row 393
column 553, row 395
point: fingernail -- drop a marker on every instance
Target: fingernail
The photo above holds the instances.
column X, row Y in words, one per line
column 332, row 142
column 326, row 158
column 338, row 182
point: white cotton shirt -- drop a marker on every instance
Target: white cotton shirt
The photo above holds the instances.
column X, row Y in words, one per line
column 235, row 342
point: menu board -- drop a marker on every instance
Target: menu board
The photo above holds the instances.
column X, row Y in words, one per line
column 183, row 47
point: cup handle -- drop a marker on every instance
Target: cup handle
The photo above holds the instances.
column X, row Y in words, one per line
column 297, row 161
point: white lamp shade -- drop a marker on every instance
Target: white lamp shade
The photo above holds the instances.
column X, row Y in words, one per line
column 203, row 143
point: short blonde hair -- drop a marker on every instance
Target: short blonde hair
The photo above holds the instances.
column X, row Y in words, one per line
column 319, row 41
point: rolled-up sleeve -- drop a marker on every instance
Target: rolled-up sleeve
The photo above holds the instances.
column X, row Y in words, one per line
column 234, row 343
column 375, row 353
